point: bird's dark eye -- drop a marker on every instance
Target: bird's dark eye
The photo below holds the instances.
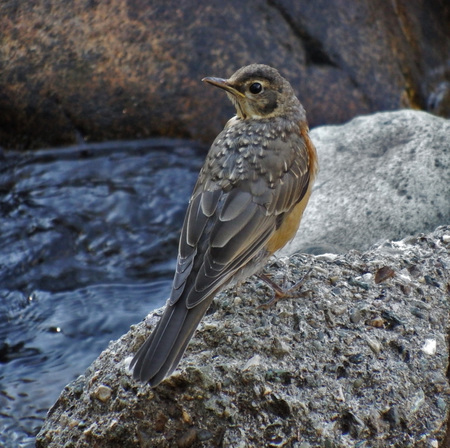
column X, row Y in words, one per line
column 256, row 88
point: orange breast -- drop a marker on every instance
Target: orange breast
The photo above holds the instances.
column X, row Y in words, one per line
column 289, row 227
column 291, row 221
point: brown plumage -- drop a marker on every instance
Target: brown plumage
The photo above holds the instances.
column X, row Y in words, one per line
column 247, row 203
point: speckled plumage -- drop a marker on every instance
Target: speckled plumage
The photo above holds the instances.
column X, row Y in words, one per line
column 247, row 203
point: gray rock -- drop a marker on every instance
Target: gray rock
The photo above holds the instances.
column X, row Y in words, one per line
column 375, row 382
column 382, row 176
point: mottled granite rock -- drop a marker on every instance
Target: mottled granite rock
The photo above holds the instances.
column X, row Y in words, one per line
column 358, row 359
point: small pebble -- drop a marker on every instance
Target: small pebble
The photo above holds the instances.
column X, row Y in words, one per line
column 186, row 417
column 357, row 282
column 378, row 322
column 406, row 289
column 78, row 385
column 374, row 345
column 328, row 256
column 280, row 348
column 357, row 358
column 253, row 361
column 441, row 404
column 103, row 393
column 418, row 313
column 203, row 435
column 266, row 390
column 339, row 310
column 355, row 316
column 334, row 279
column 430, row 346
column 383, row 274
column 73, row 423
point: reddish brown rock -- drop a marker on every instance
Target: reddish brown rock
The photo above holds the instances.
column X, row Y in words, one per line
column 111, row 70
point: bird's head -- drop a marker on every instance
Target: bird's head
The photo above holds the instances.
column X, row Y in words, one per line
column 258, row 91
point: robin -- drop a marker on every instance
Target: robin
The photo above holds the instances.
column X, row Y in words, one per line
column 247, row 203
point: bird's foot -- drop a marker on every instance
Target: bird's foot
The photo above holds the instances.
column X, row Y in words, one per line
column 282, row 293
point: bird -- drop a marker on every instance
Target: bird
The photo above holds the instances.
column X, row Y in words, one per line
column 247, row 203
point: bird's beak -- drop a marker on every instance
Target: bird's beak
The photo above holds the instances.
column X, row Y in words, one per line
column 223, row 84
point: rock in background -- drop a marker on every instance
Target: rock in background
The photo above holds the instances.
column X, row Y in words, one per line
column 92, row 71
column 359, row 359
column 382, row 177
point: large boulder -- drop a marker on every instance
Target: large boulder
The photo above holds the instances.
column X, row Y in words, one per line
column 359, row 358
column 90, row 70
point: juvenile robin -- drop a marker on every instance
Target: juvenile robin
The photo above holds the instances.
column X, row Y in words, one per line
column 247, row 203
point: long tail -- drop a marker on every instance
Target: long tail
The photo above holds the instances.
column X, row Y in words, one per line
column 161, row 352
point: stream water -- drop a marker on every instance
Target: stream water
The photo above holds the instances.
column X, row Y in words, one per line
column 88, row 240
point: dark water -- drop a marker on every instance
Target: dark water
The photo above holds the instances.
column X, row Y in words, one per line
column 88, row 240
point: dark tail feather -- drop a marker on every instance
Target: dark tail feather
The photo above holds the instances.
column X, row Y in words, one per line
column 161, row 352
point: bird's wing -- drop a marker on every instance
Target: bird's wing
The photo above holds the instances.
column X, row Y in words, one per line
column 222, row 231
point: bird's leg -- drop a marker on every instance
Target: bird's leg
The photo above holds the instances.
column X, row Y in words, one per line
column 279, row 292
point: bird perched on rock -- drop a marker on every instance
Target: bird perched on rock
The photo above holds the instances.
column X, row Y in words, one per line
column 247, row 203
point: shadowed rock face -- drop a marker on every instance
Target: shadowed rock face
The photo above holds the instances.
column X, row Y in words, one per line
column 112, row 70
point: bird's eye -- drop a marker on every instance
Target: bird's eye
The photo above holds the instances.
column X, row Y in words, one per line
column 256, row 88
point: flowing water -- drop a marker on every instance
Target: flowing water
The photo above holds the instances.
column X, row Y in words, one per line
column 88, row 239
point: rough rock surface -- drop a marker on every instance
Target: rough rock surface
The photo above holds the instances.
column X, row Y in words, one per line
column 357, row 359
column 119, row 69
column 383, row 176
